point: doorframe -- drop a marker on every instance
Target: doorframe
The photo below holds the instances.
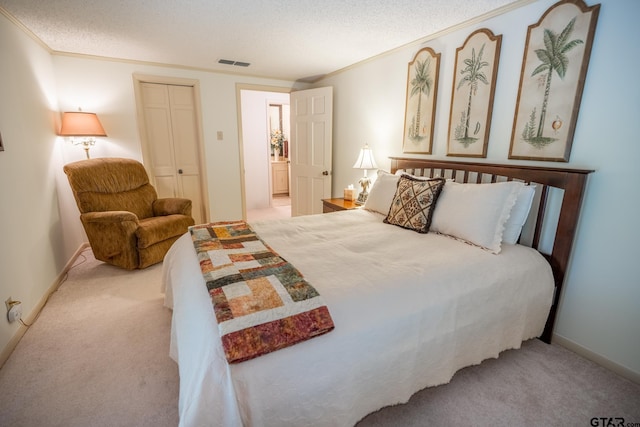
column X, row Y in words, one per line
column 138, row 79
column 257, row 88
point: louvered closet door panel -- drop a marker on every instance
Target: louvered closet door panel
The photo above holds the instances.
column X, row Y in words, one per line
column 157, row 116
column 171, row 127
column 185, row 140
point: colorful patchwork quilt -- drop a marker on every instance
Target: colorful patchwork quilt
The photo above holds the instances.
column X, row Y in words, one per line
column 262, row 303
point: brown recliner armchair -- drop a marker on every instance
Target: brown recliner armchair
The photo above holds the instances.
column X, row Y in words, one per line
column 127, row 225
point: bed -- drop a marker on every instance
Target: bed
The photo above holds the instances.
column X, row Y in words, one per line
column 410, row 309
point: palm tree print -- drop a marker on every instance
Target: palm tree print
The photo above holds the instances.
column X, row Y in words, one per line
column 472, row 76
column 553, row 58
column 422, row 82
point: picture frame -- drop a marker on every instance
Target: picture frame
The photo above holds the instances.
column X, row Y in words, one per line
column 474, row 86
column 554, row 68
column 420, row 108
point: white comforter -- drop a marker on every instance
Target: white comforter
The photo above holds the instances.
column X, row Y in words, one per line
column 409, row 311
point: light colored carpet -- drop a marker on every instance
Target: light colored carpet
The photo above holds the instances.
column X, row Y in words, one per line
column 98, row 355
column 280, row 208
column 276, row 212
column 537, row 385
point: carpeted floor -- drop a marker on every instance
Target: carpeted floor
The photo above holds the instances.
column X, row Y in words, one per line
column 98, row 355
column 280, row 208
column 537, row 385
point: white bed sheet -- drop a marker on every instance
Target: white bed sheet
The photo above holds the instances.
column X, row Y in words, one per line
column 409, row 311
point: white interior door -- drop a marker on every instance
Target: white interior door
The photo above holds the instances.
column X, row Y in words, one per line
column 172, row 140
column 310, row 149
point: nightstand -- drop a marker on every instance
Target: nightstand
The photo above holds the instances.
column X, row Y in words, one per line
column 339, row 204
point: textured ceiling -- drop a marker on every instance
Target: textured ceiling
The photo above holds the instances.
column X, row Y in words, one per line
column 287, row 39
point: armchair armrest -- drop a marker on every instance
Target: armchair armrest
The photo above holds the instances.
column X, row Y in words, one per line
column 112, row 236
column 109, row 216
column 171, row 206
column 110, row 225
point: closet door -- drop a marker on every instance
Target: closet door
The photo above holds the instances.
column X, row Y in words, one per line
column 172, row 143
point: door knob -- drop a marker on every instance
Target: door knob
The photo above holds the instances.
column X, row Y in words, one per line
column 325, row 173
column 180, row 171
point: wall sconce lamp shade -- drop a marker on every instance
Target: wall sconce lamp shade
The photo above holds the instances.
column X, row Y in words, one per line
column 365, row 161
column 82, row 124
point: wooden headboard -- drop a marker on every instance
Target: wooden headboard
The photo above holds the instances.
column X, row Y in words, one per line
column 572, row 181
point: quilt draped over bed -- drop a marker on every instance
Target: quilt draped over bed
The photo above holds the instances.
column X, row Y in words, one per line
column 262, row 302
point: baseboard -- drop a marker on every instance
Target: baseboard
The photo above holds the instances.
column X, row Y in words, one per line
column 15, row 339
column 623, row 371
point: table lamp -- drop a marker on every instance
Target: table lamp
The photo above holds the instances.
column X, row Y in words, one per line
column 365, row 161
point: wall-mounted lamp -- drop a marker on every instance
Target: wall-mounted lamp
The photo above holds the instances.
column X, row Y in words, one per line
column 365, row 161
column 82, row 124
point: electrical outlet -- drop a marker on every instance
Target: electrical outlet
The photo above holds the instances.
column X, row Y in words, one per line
column 15, row 312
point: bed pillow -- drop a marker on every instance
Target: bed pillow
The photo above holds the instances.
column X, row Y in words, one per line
column 475, row 213
column 382, row 192
column 519, row 215
column 414, row 202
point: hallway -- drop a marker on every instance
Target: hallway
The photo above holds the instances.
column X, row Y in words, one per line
column 280, row 208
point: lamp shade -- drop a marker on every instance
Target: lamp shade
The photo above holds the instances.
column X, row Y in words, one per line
column 365, row 159
column 81, row 124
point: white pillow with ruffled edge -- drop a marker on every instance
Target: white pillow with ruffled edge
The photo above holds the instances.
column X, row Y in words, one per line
column 475, row 213
column 519, row 215
column 382, row 192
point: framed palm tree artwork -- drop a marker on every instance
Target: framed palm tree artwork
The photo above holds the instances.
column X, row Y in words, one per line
column 554, row 69
column 474, row 84
column 420, row 109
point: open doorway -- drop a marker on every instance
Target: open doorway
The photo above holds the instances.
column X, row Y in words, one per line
column 264, row 116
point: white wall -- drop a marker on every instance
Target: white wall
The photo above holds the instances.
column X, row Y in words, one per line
column 33, row 246
column 599, row 312
column 106, row 87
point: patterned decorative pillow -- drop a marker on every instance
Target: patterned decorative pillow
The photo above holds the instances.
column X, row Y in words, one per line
column 414, row 202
